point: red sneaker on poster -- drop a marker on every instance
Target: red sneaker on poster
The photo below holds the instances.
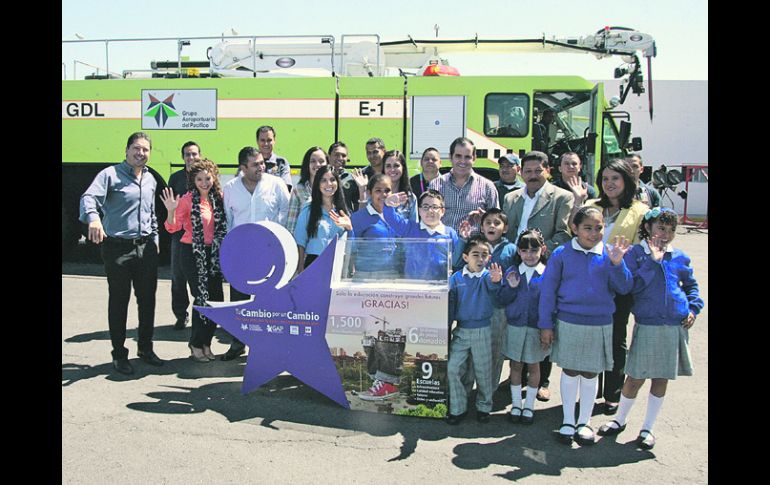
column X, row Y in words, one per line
column 379, row 391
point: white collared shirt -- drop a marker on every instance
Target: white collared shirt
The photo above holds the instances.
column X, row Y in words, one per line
column 372, row 211
column 467, row 272
column 529, row 270
column 607, row 232
column 596, row 249
column 526, row 211
column 269, row 202
column 440, row 228
column 646, row 247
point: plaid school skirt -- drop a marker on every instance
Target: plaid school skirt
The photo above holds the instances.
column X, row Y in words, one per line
column 523, row 345
column 584, row 348
column 659, row 352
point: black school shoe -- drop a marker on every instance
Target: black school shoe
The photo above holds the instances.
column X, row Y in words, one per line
column 527, row 419
column 454, row 419
column 607, row 430
column 565, row 438
column 645, row 442
column 610, row 409
column 585, row 441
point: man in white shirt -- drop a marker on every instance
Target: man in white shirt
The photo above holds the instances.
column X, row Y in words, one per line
column 255, row 195
column 252, row 196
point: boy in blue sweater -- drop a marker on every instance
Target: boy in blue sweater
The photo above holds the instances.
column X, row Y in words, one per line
column 471, row 304
column 424, row 261
column 494, row 226
column 666, row 301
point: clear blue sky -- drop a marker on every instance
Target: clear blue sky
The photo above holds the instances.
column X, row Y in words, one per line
column 680, row 28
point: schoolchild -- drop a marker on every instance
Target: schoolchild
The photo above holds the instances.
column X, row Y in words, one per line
column 494, row 226
column 666, row 302
column 576, row 304
column 424, row 261
column 520, row 293
column 378, row 258
column 471, row 302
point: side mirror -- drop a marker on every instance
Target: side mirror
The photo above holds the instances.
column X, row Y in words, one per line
column 625, row 133
column 591, row 143
column 636, row 143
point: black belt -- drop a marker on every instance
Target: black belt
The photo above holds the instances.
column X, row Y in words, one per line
column 136, row 242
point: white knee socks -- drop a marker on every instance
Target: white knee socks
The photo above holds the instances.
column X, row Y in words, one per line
column 588, row 388
column 623, row 410
column 569, row 389
column 653, row 408
column 530, row 402
column 516, row 398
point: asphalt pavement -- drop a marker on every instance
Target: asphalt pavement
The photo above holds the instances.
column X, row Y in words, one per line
column 189, row 423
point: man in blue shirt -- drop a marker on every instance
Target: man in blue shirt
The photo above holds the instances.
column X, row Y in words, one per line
column 125, row 195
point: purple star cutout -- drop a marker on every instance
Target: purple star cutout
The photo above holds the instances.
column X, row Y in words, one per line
column 284, row 325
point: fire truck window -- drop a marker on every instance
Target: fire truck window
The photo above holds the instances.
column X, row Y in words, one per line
column 506, row 115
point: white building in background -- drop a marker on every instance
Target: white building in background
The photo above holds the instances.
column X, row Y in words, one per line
column 677, row 135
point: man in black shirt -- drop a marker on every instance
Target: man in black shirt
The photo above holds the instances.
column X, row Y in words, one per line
column 191, row 152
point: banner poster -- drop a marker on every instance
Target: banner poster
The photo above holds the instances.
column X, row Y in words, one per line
column 390, row 347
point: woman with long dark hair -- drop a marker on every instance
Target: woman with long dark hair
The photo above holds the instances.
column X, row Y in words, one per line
column 394, row 166
column 322, row 218
column 200, row 213
column 300, row 194
column 623, row 216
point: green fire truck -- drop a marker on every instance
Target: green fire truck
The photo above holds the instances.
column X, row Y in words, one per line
column 315, row 90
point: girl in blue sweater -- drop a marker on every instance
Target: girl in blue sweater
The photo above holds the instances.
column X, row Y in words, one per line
column 666, row 301
column 576, row 303
column 375, row 259
column 520, row 292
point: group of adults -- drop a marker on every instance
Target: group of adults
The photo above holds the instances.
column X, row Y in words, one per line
column 327, row 200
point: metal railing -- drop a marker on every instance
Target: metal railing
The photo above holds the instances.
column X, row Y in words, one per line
column 185, row 41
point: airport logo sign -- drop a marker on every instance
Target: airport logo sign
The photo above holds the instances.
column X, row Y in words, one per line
column 181, row 109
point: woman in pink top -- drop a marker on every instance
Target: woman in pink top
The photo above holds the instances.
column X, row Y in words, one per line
column 200, row 213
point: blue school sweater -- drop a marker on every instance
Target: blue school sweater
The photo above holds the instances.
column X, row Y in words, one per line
column 471, row 300
column 503, row 254
column 664, row 292
column 580, row 288
column 374, row 256
column 521, row 302
column 422, row 260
